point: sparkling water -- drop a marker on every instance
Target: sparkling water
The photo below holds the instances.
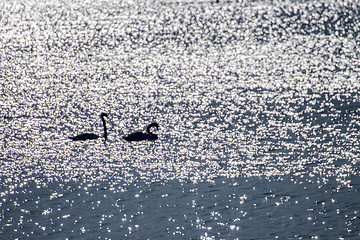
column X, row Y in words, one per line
column 257, row 103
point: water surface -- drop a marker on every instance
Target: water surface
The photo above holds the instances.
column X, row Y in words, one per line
column 257, row 104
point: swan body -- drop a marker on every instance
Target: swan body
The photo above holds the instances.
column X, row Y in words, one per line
column 84, row 136
column 91, row 136
column 140, row 136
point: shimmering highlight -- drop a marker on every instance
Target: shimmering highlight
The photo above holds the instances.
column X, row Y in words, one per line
column 257, row 103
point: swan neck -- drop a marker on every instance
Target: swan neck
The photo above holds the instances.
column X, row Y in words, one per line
column 105, row 129
column 148, row 130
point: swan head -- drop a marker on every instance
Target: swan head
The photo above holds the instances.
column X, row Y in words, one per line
column 150, row 126
column 104, row 115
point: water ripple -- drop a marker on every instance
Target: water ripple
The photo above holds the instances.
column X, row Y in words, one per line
column 246, row 94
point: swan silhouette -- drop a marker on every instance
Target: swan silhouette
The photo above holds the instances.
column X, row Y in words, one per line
column 140, row 136
column 86, row 136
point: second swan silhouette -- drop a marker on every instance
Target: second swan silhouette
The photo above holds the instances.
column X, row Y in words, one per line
column 140, row 136
column 86, row 136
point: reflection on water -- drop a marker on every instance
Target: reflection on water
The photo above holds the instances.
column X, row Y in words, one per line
column 257, row 106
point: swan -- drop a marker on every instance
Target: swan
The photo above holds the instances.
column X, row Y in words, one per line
column 140, row 136
column 86, row 136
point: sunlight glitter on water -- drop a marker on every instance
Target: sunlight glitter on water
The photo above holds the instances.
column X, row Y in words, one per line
column 245, row 94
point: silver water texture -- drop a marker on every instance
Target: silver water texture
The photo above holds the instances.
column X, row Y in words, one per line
column 257, row 102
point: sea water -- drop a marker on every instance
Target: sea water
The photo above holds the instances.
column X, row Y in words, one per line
column 257, row 103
